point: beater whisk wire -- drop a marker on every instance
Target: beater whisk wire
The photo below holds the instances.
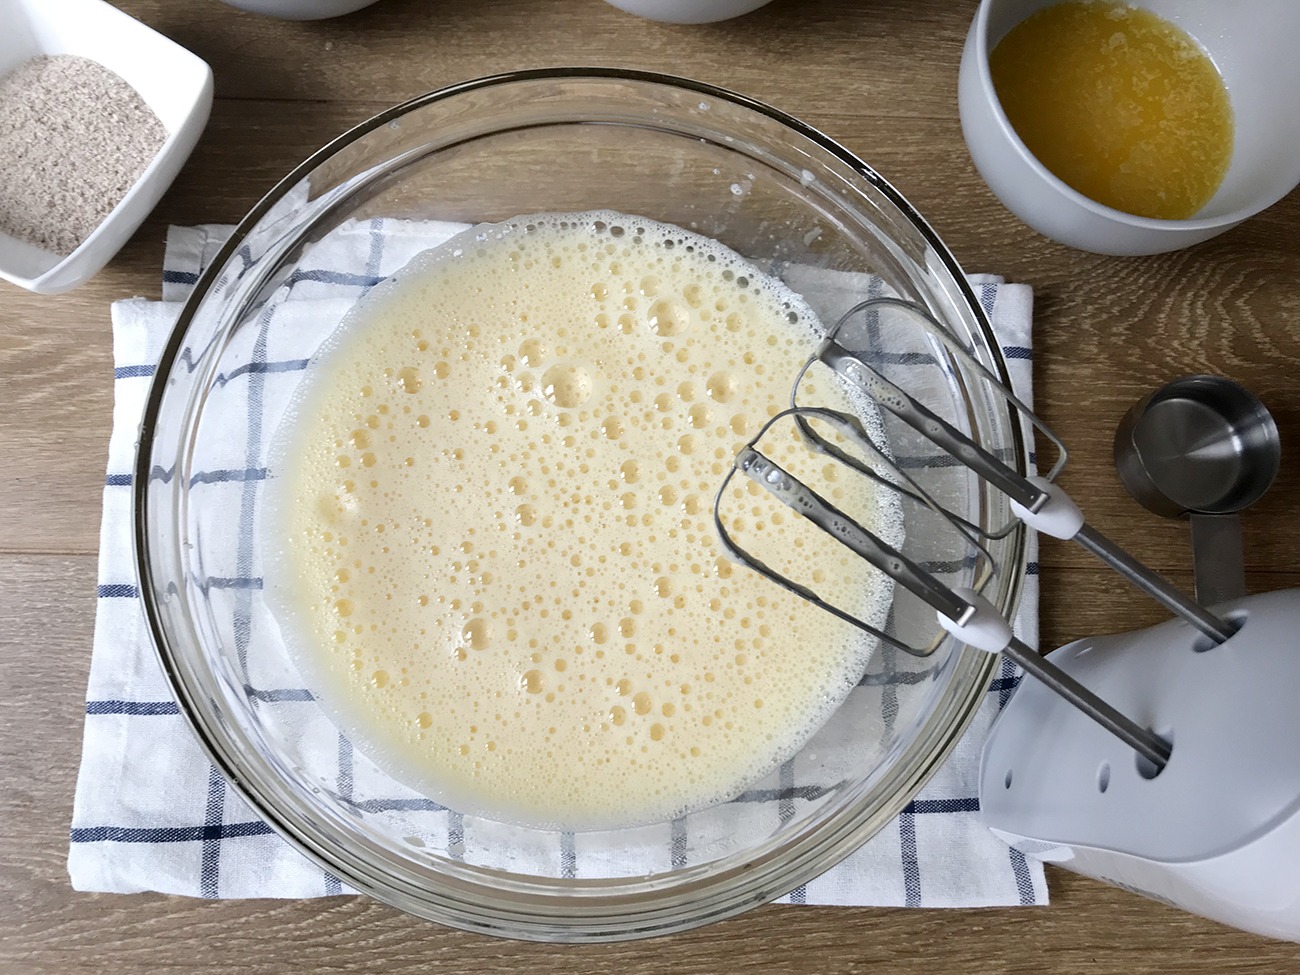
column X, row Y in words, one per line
column 1036, row 501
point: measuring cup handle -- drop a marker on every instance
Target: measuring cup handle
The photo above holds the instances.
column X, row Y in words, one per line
column 1218, row 562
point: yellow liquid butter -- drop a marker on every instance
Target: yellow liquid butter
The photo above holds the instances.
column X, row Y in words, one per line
column 498, row 566
column 1119, row 104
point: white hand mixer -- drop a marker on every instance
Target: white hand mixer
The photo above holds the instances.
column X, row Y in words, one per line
column 1162, row 761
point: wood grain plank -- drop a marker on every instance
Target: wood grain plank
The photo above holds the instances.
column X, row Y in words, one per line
column 1101, row 930
column 806, row 55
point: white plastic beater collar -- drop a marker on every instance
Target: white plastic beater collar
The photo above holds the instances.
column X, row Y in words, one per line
column 1059, row 516
column 986, row 630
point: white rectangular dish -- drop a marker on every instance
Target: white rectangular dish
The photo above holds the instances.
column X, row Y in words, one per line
column 175, row 84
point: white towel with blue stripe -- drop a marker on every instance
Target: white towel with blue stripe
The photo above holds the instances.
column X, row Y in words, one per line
column 151, row 814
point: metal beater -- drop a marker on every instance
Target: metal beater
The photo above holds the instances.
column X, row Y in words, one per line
column 1036, row 501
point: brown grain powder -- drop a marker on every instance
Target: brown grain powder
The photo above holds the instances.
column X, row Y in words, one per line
column 74, row 138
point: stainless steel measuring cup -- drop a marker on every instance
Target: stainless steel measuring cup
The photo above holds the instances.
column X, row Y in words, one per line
column 1204, row 448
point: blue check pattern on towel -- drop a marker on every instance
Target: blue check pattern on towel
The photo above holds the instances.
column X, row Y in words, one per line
column 152, row 814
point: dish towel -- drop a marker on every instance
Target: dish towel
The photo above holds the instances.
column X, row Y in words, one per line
column 152, row 814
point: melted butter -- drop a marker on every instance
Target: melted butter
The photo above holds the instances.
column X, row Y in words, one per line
column 1119, row 104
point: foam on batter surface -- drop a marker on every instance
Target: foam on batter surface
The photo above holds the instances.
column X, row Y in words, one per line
column 498, row 566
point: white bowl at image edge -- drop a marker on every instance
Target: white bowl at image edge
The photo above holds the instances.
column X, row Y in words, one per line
column 1254, row 56
column 175, row 84
column 301, row 9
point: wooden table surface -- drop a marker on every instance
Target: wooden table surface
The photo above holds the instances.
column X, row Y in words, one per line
column 878, row 75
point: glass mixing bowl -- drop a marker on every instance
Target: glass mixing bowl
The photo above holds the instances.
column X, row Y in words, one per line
column 676, row 151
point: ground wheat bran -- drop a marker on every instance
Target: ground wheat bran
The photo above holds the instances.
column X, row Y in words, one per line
column 74, row 138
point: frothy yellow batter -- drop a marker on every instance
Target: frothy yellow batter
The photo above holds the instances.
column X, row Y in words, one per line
column 498, row 565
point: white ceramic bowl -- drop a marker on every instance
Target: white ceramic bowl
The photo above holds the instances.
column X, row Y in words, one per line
column 174, row 83
column 301, row 9
column 1255, row 53
column 688, row 11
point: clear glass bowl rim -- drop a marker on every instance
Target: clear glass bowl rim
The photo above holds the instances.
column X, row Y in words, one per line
column 590, row 910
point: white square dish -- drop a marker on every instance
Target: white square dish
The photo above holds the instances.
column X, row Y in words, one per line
column 175, row 84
